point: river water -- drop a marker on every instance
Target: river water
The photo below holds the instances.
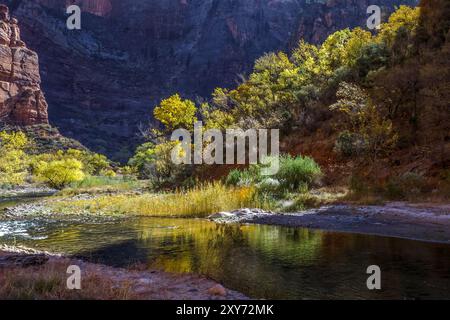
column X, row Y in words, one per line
column 260, row 261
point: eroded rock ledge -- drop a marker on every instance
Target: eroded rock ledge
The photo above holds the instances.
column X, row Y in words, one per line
column 21, row 99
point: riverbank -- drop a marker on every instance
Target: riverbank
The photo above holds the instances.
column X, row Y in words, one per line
column 26, row 191
column 417, row 221
column 426, row 222
column 30, row 274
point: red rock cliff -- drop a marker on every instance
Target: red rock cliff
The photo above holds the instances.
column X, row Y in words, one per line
column 21, row 99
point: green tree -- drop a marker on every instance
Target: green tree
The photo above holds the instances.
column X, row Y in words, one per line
column 154, row 162
column 144, row 159
column 356, row 45
column 333, row 52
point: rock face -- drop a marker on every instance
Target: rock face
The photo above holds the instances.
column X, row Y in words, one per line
column 97, row 7
column 103, row 81
column 21, row 99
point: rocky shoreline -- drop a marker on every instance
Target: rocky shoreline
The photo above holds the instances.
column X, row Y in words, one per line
column 426, row 222
column 25, row 192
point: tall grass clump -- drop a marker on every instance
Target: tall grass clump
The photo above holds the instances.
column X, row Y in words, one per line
column 297, row 172
column 199, row 202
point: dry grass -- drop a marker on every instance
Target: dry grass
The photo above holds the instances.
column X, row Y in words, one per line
column 198, row 202
column 103, row 185
column 316, row 198
column 48, row 282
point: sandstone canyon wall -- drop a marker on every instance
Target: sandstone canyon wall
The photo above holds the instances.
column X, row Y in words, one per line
column 102, row 82
column 21, row 99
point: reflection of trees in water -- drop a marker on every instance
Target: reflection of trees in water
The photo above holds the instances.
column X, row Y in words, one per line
column 296, row 246
column 239, row 255
column 262, row 261
column 194, row 246
column 79, row 238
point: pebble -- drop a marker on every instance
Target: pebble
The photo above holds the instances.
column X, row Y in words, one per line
column 218, row 290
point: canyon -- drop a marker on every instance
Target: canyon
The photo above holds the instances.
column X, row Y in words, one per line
column 103, row 81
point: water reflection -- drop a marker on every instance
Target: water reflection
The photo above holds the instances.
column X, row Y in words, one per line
column 260, row 261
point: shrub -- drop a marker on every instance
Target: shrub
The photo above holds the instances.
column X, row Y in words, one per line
column 297, row 172
column 234, row 177
column 93, row 163
column 99, row 181
column 247, row 177
column 14, row 162
column 269, row 186
column 350, row 144
column 59, row 173
column 409, row 184
column 108, row 173
column 358, row 185
column 154, row 162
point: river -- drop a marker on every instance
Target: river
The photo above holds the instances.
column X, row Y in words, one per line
column 258, row 260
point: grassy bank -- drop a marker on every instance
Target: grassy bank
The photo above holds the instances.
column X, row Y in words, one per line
column 198, row 202
column 48, row 281
column 99, row 185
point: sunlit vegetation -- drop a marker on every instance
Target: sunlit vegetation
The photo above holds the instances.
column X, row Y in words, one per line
column 59, row 173
column 14, row 161
column 376, row 94
column 197, row 202
column 104, row 185
column 19, row 164
column 295, row 174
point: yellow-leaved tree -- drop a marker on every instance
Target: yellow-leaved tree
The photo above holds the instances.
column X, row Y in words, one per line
column 14, row 161
column 175, row 113
column 59, row 173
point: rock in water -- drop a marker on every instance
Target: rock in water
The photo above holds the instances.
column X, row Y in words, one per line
column 237, row 216
column 21, row 99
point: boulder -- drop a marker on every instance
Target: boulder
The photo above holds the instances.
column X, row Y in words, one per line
column 236, row 216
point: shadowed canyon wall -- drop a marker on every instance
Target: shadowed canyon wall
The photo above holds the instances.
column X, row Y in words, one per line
column 103, row 81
